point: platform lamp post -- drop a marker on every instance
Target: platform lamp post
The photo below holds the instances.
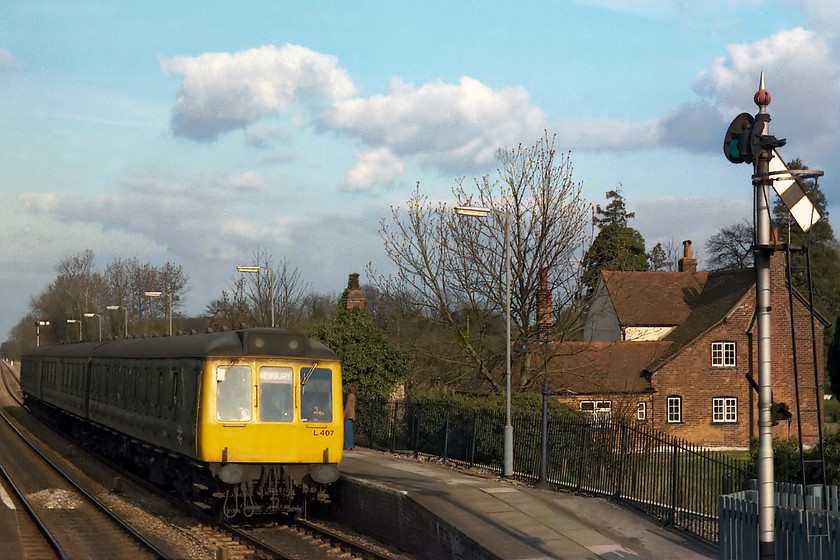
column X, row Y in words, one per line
column 478, row 212
column 38, row 324
column 80, row 326
column 114, row 308
column 256, row 270
column 159, row 294
column 91, row 316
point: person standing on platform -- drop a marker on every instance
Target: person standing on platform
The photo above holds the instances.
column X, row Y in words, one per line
column 349, row 417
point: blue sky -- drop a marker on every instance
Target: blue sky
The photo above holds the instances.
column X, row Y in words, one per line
column 200, row 132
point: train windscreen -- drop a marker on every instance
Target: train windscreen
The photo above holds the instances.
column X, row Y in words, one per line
column 316, row 395
column 233, row 393
column 276, row 387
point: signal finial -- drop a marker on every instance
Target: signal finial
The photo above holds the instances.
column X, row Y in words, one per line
column 762, row 96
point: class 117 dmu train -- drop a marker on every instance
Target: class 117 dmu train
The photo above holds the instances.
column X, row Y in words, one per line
column 239, row 422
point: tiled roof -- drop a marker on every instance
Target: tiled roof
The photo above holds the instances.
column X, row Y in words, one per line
column 653, row 299
column 722, row 292
column 598, row 367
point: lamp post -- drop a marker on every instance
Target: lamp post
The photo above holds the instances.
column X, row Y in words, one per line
column 38, row 324
column 478, row 212
column 114, row 308
column 256, row 270
column 159, row 294
column 91, row 316
column 80, row 326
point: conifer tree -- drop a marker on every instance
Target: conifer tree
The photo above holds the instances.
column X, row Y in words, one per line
column 617, row 245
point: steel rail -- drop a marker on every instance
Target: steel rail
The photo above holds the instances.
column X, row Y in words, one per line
column 102, row 507
column 33, row 515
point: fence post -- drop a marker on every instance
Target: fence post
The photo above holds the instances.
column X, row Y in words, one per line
column 672, row 517
column 371, row 432
column 446, row 434
column 394, row 428
column 415, row 431
column 584, row 437
column 622, row 453
column 472, row 442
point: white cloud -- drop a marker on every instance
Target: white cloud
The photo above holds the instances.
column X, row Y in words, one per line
column 250, row 181
column 221, row 92
column 377, row 166
column 598, row 135
column 7, row 59
column 803, row 77
column 41, row 202
column 453, row 127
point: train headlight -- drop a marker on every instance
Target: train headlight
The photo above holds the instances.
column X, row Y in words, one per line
column 231, row 474
column 325, row 474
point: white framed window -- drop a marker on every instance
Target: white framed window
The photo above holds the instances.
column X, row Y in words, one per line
column 723, row 354
column 674, row 409
column 724, row 409
column 601, row 411
column 641, row 411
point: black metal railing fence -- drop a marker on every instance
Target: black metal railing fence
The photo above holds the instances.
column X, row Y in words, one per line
column 665, row 477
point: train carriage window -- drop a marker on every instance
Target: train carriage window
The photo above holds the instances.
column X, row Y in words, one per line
column 316, row 395
column 233, row 393
column 141, row 386
column 276, row 403
column 175, row 389
column 162, row 392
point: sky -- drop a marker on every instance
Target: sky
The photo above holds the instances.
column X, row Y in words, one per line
column 199, row 133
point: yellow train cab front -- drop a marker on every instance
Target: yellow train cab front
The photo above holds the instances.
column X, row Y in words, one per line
column 267, row 410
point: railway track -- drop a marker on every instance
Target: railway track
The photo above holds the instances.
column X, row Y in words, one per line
column 74, row 522
column 183, row 531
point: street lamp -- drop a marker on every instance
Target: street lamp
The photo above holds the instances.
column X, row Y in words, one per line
column 159, row 294
column 256, row 270
column 478, row 212
column 114, row 308
column 91, row 316
column 80, row 326
column 38, row 325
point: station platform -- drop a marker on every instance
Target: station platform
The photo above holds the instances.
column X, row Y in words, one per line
column 433, row 511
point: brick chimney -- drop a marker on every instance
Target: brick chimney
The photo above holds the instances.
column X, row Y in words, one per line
column 687, row 264
column 355, row 296
column 544, row 308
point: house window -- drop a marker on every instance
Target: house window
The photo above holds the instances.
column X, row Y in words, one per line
column 601, row 411
column 723, row 354
column 724, row 409
column 674, row 410
column 641, row 411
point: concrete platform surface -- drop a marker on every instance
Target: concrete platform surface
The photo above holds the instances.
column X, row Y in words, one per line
column 435, row 511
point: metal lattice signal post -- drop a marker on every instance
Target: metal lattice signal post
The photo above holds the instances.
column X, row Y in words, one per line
column 748, row 140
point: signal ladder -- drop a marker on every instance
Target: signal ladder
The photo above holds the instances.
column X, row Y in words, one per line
column 807, row 385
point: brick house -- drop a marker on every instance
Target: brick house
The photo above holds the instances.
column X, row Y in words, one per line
column 674, row 351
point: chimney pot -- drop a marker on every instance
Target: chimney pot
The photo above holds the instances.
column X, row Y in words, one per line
column 687, row 248
column 687, row 264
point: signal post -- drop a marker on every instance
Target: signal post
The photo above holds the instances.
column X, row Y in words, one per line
column 748, row 140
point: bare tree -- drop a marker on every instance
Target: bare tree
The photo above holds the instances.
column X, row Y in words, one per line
column 231, row 308
column 451, row 269
column 78, row 289
column 270, row 288
column 730, row 247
